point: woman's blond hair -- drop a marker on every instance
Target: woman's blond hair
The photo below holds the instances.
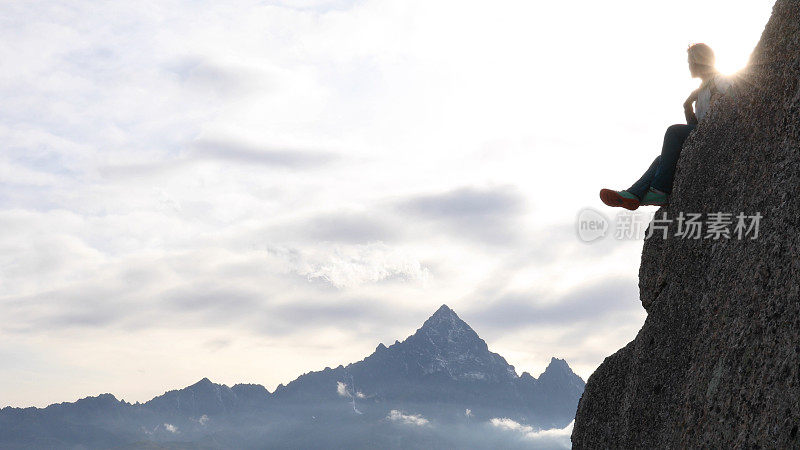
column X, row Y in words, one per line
column 702, row 55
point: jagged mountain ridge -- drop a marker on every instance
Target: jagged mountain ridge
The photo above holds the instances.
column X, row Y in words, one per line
column 447, row 362
column 444, row 346
column 206, row 397
column 441, row 371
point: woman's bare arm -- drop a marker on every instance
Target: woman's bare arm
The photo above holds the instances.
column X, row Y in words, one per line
column 688, row 110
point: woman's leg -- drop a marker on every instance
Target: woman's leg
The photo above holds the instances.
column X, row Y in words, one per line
column 640, row 187
column 670, row 151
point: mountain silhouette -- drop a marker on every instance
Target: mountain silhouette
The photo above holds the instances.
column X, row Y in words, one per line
column 443, row 375
column 445, row 368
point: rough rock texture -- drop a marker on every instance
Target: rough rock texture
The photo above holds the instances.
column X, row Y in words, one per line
column 717, row 362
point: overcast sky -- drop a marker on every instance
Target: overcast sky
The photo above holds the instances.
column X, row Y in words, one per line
column 253, row 191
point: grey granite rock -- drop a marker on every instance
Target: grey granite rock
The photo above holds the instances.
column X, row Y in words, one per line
column 717, row 362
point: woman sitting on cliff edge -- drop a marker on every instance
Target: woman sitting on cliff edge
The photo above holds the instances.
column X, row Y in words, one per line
column 654, row 187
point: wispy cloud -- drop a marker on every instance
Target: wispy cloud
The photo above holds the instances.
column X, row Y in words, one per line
column 343, row 390
column 355, row 265
column 585, row 303
column 357, row 227
column 559, row 436
column 242, row 153
column 407, row 419
column 488, row 215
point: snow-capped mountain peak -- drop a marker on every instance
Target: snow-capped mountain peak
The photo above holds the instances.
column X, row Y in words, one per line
column 446, row 345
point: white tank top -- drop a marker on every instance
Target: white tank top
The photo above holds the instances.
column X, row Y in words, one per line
column 718, row 83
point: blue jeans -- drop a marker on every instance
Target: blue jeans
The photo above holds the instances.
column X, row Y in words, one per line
column 662, row 172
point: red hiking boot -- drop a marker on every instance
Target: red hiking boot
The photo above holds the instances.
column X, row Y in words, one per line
column 622, row 199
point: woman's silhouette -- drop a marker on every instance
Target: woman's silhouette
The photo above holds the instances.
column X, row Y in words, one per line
column 654, row 187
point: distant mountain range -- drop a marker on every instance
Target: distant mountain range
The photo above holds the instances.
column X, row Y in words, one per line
column 441, row 387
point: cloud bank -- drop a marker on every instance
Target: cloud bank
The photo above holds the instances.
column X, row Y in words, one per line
column 287, row 184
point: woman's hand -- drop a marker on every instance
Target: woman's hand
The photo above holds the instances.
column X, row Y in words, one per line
column 688, row 111
column 691, row 99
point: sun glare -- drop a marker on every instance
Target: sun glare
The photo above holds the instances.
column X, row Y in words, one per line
column 734, row 38
column 731, row 60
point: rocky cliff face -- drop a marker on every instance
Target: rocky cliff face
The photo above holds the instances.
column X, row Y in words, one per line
column 717, row 362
